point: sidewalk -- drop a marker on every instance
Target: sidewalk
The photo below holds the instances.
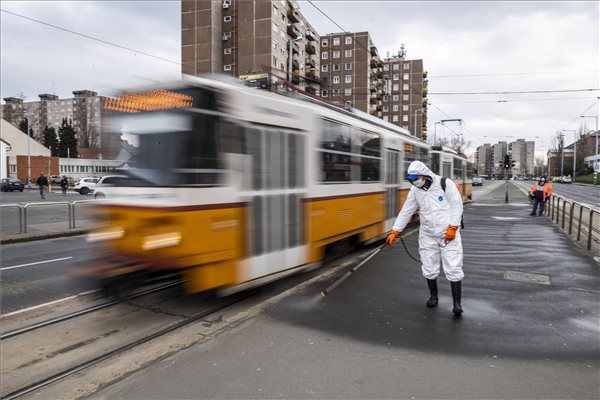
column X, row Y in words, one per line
column 530, row 328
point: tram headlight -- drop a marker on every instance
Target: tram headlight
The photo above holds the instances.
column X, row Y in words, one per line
column 161, row 240
column 112, row 233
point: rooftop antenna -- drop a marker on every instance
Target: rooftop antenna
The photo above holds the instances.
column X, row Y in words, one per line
column 402, row 52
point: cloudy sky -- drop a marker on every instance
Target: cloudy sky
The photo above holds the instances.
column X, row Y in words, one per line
column 466, row 46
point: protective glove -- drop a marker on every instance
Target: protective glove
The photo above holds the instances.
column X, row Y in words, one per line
column 450, row 233
column 392, row 237
column 530, row 197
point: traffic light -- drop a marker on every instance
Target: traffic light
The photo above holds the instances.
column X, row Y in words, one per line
column 507, row 161
column 513, row 163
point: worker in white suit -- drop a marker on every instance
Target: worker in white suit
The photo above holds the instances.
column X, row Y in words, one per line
column 440, row 213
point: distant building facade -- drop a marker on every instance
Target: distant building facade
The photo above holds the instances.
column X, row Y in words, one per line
column 84, row 111
column 484, row 160
column 522, row 153
column 499, row 150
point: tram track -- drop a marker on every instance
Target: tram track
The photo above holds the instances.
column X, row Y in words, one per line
column 76, row 342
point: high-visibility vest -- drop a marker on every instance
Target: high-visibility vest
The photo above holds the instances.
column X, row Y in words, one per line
column 547, row 190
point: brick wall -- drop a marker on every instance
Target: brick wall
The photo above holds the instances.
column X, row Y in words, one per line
column 47, row 165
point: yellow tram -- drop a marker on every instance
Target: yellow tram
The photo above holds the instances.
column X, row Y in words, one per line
column 234, row 187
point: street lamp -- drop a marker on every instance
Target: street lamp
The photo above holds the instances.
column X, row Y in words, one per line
column 562, row 153
column 290, row 51
column 596, row 152
column 574, row 151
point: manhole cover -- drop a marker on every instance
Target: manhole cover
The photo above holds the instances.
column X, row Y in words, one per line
column 527, row 277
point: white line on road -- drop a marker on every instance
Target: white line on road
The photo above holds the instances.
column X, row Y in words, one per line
column 35, row 263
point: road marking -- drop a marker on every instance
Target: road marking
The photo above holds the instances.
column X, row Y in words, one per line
column 49, row 303
column 35, row 263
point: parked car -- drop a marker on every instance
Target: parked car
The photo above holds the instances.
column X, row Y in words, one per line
column 10, row 185
column 566, row 179
column 84, row 186
column 105, row 182
column 55, row 179
column 477, row 181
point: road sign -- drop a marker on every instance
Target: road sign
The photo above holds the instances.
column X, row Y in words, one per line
column 596, row 167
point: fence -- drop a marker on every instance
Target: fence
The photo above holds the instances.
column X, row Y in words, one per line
column 564, row 211
column 23, row 210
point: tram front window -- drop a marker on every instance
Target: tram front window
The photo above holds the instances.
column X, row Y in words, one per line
column 175, row 148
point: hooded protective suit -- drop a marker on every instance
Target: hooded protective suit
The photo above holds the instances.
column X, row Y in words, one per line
column 437, row 210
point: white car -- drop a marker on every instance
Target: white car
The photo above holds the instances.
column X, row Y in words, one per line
column 84, row 186
column 104, row 183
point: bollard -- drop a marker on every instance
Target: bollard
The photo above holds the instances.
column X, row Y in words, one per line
column 564, row 212
column 590, row 230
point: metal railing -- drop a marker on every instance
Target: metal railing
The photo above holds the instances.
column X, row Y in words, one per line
column 71, row 208
column 559, row 207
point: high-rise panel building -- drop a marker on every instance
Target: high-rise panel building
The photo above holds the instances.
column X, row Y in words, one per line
column 250, row 39
column 84, row 110
column 405, row 99
column 484, row 160
column 522, row 154
column 499, row 150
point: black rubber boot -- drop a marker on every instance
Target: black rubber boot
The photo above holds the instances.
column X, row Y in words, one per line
column 456, row 289
column 433, row 291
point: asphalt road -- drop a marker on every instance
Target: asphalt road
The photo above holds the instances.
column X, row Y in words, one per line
column 34, row 273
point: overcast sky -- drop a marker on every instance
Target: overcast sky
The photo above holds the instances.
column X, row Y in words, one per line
column 493, row 46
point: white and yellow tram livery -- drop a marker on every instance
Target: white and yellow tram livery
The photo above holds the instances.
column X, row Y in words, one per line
column 234, row 186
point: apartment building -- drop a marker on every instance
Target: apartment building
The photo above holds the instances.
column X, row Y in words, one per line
column 250, row 38
column 522, row 153
column 83, row 109
column 484, row 160
column 499, row 150
column 351, row 71
column 405, row 93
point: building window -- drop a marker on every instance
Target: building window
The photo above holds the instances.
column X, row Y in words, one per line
column 405, row 107
column 275, row 61
column 406, row 66
column 348, row 40
column 386, row 67
column 275, row 28
column 324, row 93
column 396, row 77
column 386, row 109
column 405, row 127
column 395, row 118
column 348, row 79
column 405, row 118
column 405, row 97
column 348, row 53
column 395, row 87
column 405, row 87
column 324, row 68
column 227, row 51
column 406, row 77
column 324, row 55
column 386, row 118
column 348, row 67
column 386, row 98
column 275, row 45
column 275, row 11
column 336, row 80
column 227, row 18
column 336, row 54
column 395, row 108
column 395, row 97
column 336, row 92
column 12, row 168
column 336, row 41
column 347, row 92
column 324, row 43
column 227, row 67
column 336, row 67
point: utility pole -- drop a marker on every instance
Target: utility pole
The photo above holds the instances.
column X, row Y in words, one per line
column 290, row 53
column 562, row 153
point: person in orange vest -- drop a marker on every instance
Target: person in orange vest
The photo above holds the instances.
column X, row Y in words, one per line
column 540, row 192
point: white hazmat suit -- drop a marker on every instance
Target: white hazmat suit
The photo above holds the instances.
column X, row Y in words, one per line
column 437, row 210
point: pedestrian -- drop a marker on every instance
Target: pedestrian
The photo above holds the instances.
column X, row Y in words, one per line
column 64, row 184
column 440, row 213
column 42, row 182
column 540, row 193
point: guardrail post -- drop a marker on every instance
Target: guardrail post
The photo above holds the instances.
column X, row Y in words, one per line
column 552, row 214
column 70, row 216
column 571, row 217
column 590, row 230
column 557, row 209
column 564, row 212
column 25, row 218
column 580, row 217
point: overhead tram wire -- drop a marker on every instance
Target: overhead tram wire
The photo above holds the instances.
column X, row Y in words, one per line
column 91, row 37
column 511, row 74
column 517, row 92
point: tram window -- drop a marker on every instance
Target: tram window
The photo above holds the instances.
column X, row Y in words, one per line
column 370, row 169
column 336, row 167
column 257, row 226
column 336, row 136
column 435, row 163
column 275, row 160
column 301, row 150
column 446, row 169
column 291, row 161
column 231, row 138
column 255, row 149
column 458, row 169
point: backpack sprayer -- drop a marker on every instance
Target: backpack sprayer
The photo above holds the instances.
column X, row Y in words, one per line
column 363, row 262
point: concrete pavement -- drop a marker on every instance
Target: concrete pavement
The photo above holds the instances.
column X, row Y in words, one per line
column 531, row 327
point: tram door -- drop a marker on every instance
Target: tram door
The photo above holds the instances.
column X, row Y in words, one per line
column 392, row 183
column 275, row 233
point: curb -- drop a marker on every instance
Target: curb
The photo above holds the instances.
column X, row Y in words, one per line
column 43, row 236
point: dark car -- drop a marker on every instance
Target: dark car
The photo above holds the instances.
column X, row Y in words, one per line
column 10, row 185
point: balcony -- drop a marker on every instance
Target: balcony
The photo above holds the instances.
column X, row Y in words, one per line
column 293, row 15
column 424, row 74
column 374, row 51
column 310, row 49
column 310, row 35
column 310, row 74
column 292, row 31
column 295, row 48
column 424, row 91
column 373, row 63
column 295, row 65
column 379, row 75
column 311, row 90
column 311, row 62
column 373, row 100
